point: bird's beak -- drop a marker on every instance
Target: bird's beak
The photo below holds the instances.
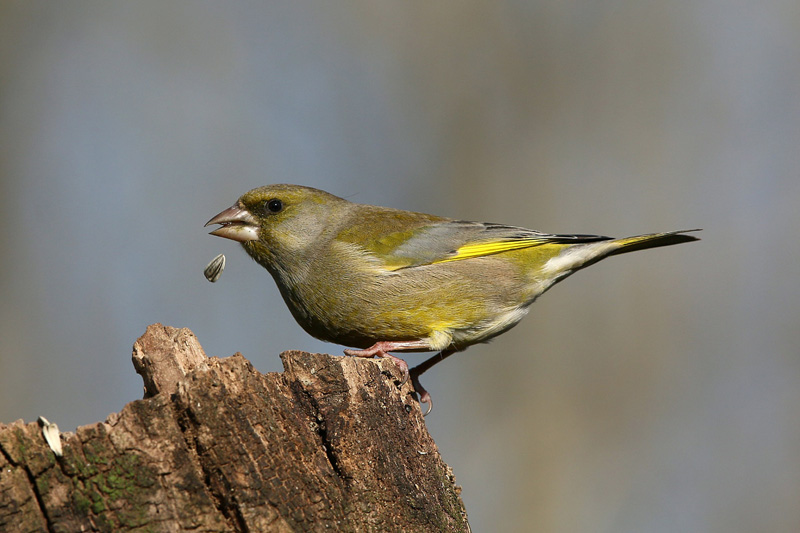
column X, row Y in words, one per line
column 237, row 224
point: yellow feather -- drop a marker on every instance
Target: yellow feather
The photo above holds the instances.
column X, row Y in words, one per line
column 488, row 248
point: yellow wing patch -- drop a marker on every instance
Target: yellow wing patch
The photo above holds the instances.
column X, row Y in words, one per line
column 488, row 248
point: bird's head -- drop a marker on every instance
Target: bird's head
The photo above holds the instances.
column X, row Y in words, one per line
column 277, row 220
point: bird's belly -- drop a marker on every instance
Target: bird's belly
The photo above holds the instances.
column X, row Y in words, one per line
column 438, row 305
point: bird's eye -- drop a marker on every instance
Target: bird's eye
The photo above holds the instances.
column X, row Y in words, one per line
column 274, row 205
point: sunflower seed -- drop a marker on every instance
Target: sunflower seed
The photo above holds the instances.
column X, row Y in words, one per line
column 51, row 435
column 214, row 269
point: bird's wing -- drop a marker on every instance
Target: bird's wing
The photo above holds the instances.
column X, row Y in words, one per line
column 453, row 240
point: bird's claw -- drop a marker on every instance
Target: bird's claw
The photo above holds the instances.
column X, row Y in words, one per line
column 429, row 401
column 402, row 365
column 377, row 351
column 424, row 395
column 381, row 349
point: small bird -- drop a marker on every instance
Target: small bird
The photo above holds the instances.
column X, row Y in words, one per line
column 380, row 279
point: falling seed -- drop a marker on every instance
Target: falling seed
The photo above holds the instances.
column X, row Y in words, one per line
column 214, row 269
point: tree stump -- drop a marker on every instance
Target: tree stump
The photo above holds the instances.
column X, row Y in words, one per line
column 330, row 444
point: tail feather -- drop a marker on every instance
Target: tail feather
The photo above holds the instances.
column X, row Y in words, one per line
column 653, row 240
column 578, row 256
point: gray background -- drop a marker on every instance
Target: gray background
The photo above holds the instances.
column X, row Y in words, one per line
column 654, row 392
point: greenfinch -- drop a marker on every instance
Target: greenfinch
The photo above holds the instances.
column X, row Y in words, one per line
column 380, row 279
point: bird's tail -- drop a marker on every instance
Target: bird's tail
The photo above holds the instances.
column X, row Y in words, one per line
column 572, row 258
column 652, row 240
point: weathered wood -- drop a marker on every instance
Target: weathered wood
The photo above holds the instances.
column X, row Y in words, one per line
column 330, row 444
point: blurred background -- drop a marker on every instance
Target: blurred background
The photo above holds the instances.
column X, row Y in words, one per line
column 653, row 392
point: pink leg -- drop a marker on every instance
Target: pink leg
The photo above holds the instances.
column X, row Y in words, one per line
column 382, row 349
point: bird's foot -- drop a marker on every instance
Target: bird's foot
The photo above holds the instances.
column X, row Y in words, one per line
column 424, row 395
column 381, row 349
column 417, row 371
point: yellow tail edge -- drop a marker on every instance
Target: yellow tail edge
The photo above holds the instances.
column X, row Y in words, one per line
column 653, row 240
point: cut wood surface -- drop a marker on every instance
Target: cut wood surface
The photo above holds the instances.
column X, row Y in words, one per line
column 331, row 444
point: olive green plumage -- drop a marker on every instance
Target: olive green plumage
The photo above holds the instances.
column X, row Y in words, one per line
column 358, row 274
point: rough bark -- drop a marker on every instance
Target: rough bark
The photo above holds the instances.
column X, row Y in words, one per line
column 332, row 443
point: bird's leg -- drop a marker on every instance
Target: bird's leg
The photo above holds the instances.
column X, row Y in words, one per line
column 417, row 371
column 382, row 349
